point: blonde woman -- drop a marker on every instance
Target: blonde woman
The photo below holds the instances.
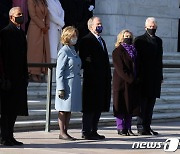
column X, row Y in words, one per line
column 124, row 89
column 68, row 81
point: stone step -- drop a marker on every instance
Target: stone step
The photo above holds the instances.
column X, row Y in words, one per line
column 171, row 70
column 171, row 56
column 41, row 103
column 77, row 122
column 168, row 99
column 173, row 91
column 169, row 81
column 172, row 61
column 171, row 76
column 40, row 113
column 167, row 108
column 167, row 89
column 170, row 84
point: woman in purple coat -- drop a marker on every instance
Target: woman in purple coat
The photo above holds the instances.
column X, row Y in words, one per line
column 124, row 87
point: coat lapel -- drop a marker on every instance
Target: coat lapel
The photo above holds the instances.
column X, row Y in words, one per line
column 97, row 42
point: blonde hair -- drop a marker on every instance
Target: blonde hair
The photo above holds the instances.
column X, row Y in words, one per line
column 67, row 34
column 120, row 37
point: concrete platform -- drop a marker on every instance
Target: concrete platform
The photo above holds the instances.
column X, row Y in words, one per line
column 40, row 142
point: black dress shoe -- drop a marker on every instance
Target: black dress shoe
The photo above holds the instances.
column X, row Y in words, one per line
column 99, row 137
column 7, row 142
column 153, row 132
column 15, row 142
column 144, row 133
column 93, row 136
column 130, row 133
column 122, row 132
column 86, row 137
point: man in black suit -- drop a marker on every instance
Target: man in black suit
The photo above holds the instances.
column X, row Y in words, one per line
column 13, row 50
column 96, row 79
column 149, row 73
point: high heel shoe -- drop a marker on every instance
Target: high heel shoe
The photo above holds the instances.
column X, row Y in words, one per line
column 66, row 137
column 122, row 132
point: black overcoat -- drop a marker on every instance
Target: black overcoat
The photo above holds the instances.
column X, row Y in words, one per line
column 14, row 56
column 75, row 14
column 96, row 75
column 149, row 65
column 5, row 6
column 88, row 3
column 125, row 96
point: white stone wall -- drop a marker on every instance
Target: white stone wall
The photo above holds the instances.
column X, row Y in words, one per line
column 117, row 15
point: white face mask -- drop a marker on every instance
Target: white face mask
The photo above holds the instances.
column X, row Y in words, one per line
column 73, row 40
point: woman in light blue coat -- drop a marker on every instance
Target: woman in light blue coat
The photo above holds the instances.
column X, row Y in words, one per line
column 68, row 81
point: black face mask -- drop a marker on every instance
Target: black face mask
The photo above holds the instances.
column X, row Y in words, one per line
column 99, row 29
column 151, row 31
column 19, row 20
column 128, row 41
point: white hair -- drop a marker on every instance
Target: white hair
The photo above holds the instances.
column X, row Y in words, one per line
column 90, row 22
column 12, row 10
column 152, row 19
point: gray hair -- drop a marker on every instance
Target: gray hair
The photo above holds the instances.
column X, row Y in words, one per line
column 90, row 21
column 152, row 19
column 12, row 10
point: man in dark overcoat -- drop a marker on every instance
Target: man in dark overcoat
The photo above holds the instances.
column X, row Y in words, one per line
column 90, row 6
column 96, row 79
column 5, row 6
column 77, row 13
column 150, row 74
column 13, row 50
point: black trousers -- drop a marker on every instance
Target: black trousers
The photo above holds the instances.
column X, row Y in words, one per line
column 7, row 126
column 146, row 112
column 90, row 122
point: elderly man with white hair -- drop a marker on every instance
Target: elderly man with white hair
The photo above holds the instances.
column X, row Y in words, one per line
column 149, row 74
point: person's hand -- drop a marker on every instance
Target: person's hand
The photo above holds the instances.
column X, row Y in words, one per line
column 44, row 30
column 61, row 94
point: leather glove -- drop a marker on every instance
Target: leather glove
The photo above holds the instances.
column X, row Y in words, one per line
column 61, row 94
